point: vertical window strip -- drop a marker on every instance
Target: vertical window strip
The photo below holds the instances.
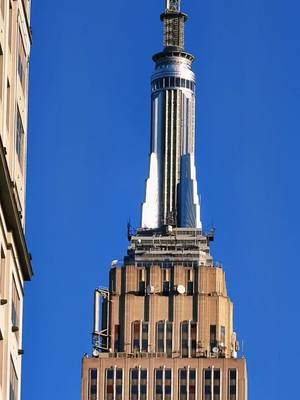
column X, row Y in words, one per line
column 21, row 60
column 93, row 384
column 164, row 337
column 15, row 306
column 140, row 336
column 19, row 137
column 114, row 384
column 188, row 339
column 138, row 384
column 212, row 384
column 187, row 384
column 13, row 384
column 163, row 384
column 232, row 384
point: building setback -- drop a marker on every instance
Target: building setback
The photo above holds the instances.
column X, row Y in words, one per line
column 164, row 328
column 15, row 264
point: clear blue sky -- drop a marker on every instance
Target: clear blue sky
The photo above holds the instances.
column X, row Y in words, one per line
column 88, row 159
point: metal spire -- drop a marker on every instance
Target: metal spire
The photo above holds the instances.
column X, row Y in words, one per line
column 173, row 5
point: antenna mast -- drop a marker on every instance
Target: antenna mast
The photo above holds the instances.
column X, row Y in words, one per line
column 173, row 5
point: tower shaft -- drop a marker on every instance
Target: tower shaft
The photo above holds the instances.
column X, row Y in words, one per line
column 171, row 189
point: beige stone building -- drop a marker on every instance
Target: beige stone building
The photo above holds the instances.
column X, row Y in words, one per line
column 15, row 264
column 164, row 328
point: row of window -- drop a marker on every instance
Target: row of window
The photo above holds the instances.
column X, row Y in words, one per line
column 172, row 82
column 167, row 285
column 164, row 337
column 15, row 304
column 163, row 384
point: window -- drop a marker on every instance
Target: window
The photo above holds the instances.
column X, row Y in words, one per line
column 13, row 384
column 164, row 341
column 163, row 384
column 232, row 384
column 178, row 82
column 21, row 61
column 190, row 282
column 142, row 281
column 117, row 338
column 213, row 336
column 212, row 384
column 172, row 81
column 166, row 281
column 2, row 273
column 138, row 384
column 114, row 384
column 19, row 137
column 7, row 104
column 140, row 334
column 15, row 307
column 188, row 339
column 222, row 336
column 187, row 384
column 93, row 384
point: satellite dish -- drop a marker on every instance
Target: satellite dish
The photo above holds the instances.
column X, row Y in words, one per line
column 180, row 289
column 215, row 350
column 96, row 353
column 150, row 289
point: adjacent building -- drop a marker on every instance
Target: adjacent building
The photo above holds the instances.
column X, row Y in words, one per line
column 164, row 328
column 15, row 263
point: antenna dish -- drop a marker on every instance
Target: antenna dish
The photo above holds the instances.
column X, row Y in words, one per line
column 150, row 289
column 180, row 289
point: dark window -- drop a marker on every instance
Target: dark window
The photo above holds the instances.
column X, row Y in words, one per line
column 2, row 272
column 142, row 281
column 140, row 336
column 164, row 342
column 93, row 384
column 182, row 83
column 138, row 384
column 21, row 61
column 187, row 384
column 15, row 306
column 167, row 82
column 178, row 82
column 19, row 137
column 172, row 81
column 187, row 84
column 222, row 337
column 117, row 338
column 163, row 384
column 232, row 384
column 213, row 336
column 188, row 339
column 114, row 384
column 13, row 383
column 207, row 386
column 212, row 383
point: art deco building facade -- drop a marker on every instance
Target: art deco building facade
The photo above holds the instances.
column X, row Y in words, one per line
column 15, row 264
column 166, row 328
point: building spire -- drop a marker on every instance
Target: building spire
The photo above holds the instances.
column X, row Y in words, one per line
column 173, row 5
column 174, row 21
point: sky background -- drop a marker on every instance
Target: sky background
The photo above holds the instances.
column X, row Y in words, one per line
column 88, row 160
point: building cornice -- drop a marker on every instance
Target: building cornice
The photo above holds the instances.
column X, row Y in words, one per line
column 12, row 217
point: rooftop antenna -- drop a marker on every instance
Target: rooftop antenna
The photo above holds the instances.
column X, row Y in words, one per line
column 173, row 5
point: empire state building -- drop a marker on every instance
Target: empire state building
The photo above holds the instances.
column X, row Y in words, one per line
column 164, row 330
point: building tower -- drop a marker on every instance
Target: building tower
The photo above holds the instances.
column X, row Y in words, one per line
column 15, row 264
column 166, row 327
